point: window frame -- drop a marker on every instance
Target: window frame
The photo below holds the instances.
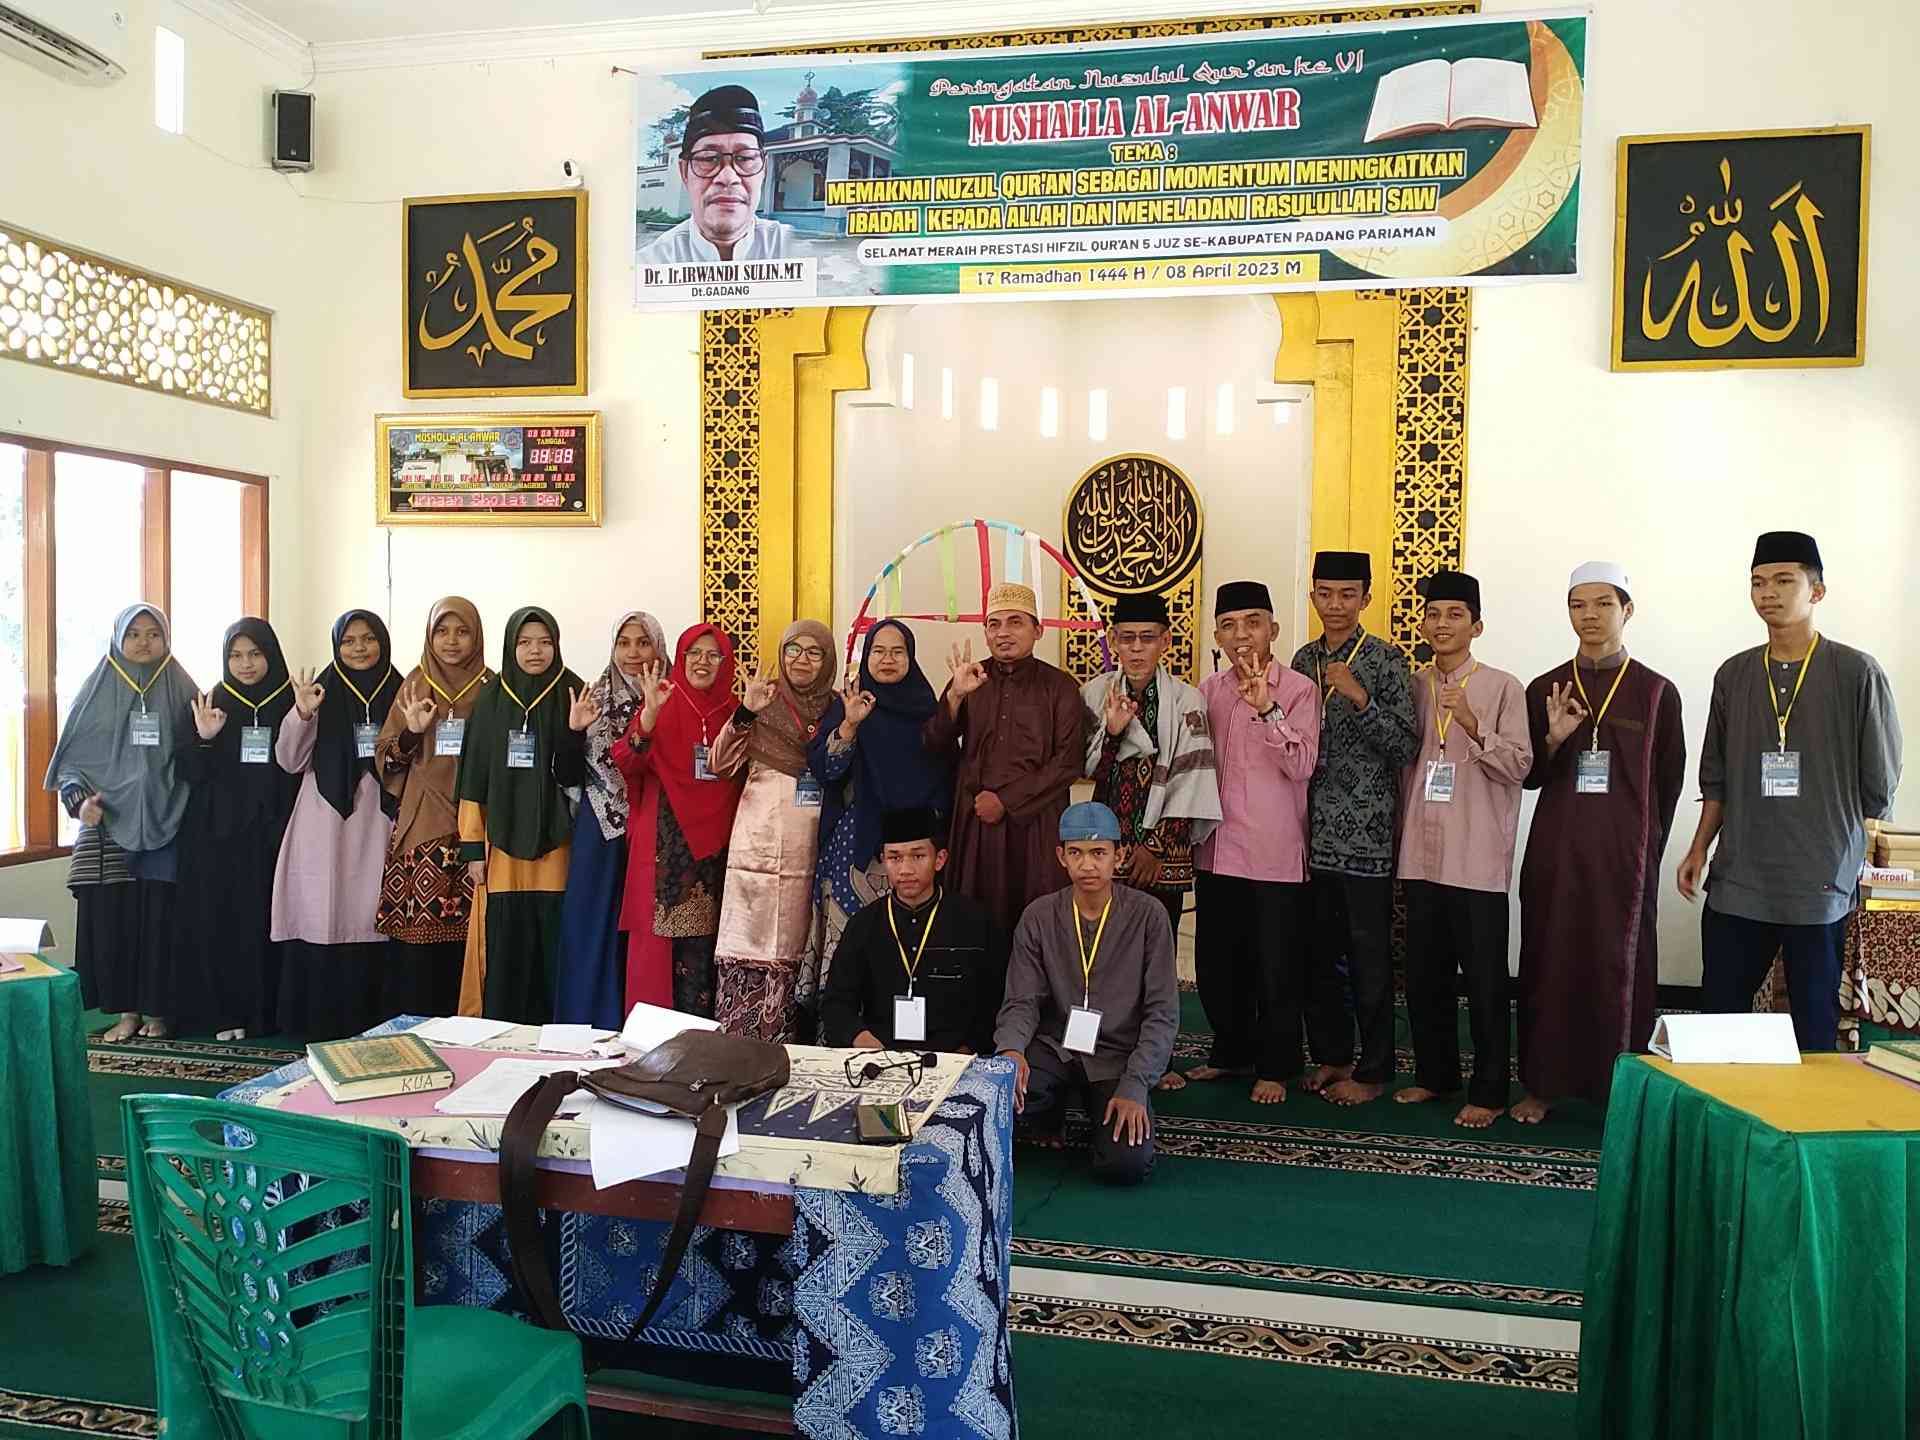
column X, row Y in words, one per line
column 41, row 561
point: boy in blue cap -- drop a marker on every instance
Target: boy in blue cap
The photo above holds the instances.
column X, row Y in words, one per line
column 1092, row 1001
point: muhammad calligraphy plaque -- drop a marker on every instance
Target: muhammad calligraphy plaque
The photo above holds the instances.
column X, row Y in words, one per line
column 496, row 294
column 534, row 468
column 1746, row 248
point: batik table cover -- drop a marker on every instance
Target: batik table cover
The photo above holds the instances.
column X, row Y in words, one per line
column 1750, row 1274
column 880, row 1314
column 48, row 1193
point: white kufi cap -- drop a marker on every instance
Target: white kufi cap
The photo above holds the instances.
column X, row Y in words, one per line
column 1599, row 572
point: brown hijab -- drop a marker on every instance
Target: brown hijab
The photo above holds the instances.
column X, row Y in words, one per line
column 780, row 735
column 425, row 788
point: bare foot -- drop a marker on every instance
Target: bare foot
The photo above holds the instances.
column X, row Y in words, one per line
column 1269, row 1092
column 1352, row 1092
column 1477, row 1117
column 155, row 1029
column 1172, row 1080
column 1415, row 1095
column 1322, row 1076
column 128, row 1027
column 1203, row 1073
column 231, row 1035
column 1532, row 1110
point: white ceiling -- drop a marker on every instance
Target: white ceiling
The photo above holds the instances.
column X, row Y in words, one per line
column 332, row 22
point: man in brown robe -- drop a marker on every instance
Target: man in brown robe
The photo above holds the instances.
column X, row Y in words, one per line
column 1609, row 758
column 1014, row 726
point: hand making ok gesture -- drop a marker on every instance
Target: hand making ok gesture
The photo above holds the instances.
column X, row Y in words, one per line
column 968, row 674
column 416, row 708
column 761, row 689
column 208, row 718
column 582, row 709
column 1564, row 712
column 655, row 688
column 1120, row 707
column 859, row 705
column 308, row 692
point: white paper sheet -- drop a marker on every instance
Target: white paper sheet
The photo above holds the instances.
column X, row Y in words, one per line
column 18, row 933
column 495, row 1089
column 629, row 1146
column 651, row 1025
column 571, row 1039
column 1726, row 1039
column 461, row 1030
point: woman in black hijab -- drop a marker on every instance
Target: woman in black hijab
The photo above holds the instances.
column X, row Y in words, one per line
column 224, row 966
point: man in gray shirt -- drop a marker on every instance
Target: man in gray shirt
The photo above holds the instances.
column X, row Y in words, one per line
column 1092, row 1001
column 1802, row 747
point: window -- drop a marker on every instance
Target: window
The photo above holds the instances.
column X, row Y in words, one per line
column 169, row 81
column 83, row 535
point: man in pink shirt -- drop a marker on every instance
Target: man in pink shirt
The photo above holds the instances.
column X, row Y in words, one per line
column 1250, row 873
column 1460, row 813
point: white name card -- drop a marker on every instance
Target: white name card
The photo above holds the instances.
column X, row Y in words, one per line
column 1725, row 1039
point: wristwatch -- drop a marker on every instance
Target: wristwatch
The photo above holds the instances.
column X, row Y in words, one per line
column 1272, row 710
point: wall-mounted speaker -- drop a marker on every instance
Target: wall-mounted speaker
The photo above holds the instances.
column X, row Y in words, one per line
column 290, row 130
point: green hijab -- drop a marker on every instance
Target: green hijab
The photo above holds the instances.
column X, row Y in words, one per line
column 527, row 811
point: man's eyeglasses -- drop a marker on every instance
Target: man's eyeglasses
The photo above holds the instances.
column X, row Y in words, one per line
column 803, row 652
column 709, row 163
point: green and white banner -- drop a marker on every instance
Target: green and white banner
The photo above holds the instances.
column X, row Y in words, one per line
column 1416, row 152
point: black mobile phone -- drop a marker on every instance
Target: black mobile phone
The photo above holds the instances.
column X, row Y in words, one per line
column 882, row 1124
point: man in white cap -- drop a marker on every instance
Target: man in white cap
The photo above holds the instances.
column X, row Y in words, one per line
column 1609, row 760
column 1015, row 729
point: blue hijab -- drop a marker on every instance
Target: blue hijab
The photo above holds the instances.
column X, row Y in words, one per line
column 891, row 767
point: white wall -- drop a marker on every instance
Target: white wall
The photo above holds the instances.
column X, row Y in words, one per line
column 1671, row 473
column 88, row 167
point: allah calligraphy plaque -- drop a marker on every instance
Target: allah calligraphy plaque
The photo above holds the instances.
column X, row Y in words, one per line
column 1132, row 526
column 1738, row 249
column 531, row 468
column 496, row 294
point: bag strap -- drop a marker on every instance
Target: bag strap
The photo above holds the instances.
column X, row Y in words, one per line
column 519, row 1148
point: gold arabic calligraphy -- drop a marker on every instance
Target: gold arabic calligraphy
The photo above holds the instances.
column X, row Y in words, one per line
column 519, row 260
column 1777, row 316
column 1134, row 524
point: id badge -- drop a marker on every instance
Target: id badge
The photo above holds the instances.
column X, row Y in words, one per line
column 146, row 728
column 910, row 1018
column 449, row 737
column 701, row 770
column 1083, row 1030
column 519, row 750
column 364, row 734
column 1780, row 774
column 1595, row 770
column 1440, row 781
column 808, row 792
column 256, row 744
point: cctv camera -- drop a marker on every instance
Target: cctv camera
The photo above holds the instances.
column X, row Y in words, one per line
column 573, row 172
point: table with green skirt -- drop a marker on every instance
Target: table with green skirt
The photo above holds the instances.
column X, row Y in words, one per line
column 49, row 1198
column 1753, row 1271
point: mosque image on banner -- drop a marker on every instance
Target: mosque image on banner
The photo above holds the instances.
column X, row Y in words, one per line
column 1411, row 152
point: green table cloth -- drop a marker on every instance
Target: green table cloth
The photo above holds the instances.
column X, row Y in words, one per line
column 48, row 1193
column 1751, row 1272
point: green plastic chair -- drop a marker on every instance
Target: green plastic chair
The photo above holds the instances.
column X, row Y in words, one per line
column 271, row 1325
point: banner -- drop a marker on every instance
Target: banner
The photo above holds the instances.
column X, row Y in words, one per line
column 1417, row 152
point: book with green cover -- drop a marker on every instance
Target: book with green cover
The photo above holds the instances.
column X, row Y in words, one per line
column 371, row 1066
column 1896, row 1057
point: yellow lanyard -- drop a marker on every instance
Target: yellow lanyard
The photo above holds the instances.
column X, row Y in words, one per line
column 453, row 700
column 1578, row 685
column 1359, row 644
column 1443, row 719
column 1088, row 957
column 366, row 701
column 526, row 710
column 1766, row 654
column 141, row 690
column 256, row 708
column 913, row 969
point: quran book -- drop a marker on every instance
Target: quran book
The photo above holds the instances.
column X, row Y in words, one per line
column 1896, row 1057
column 374, row 1065
column 1434, row 95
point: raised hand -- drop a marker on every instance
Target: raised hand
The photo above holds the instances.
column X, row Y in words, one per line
column 859, row 703
column 1120, row 709
column 308, row 692
column 93, row 809
column 582, row 709
column 655, row 687
column 1565, row 713
column 1340, row 679
column 416, row 707
column 966, row 674
column 1251, row 676
column 208, row 718
column 760, row 690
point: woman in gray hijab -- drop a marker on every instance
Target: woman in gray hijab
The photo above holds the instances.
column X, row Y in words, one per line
column 113, row 769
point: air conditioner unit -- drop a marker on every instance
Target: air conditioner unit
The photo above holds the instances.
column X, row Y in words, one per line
column 84, row 41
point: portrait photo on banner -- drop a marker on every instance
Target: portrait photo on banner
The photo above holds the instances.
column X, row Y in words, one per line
column 495, row 294
column 1744, row 248
column 1437, row 150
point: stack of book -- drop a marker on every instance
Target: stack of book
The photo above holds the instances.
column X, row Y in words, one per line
column 1893, row 856
column 1896, row 1057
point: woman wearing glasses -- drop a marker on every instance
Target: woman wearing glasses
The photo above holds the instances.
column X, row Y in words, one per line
column 768, row 929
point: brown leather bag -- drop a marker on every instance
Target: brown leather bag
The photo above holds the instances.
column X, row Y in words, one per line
column 698, row 1073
